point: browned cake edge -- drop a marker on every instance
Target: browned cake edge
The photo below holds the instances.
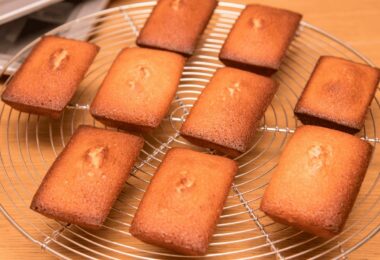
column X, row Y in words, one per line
column 262, row 70
column 265, row 71
column 93, row 223
column 314, row 231
column 187, row 53
column 201, row 250
column 52, row 113
column 232, row 150
column 310, row 119
column 136, row 231
column 326, row 232
column 123, row 125
column 209, row 144
column 107, row 119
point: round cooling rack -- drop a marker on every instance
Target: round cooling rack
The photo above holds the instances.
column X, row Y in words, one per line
column 29, row 144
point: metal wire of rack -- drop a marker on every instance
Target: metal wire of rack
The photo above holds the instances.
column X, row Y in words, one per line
column 30, row 143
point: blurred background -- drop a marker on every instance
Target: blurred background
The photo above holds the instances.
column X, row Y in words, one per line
column 22, row 21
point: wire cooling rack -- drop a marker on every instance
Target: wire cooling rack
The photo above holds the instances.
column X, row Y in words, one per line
column 29, row 144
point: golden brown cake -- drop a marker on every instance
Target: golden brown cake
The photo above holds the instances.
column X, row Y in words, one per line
column 317, row 180
column 180, row 209
column 176, row 25
column 49, row 77
column 338, row 94
column 229, row 110
column 138, row 89
column 83, row 183
column 259, row 39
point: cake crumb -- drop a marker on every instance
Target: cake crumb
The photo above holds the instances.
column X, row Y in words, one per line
column 185, row 182
column 95, row 156
column 257, row 23
column 235, row 87
column 175, row 4
column 59, row 58
column 141, row 74
column 319, row 156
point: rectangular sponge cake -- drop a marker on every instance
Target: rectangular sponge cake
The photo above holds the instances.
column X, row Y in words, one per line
column 137, row 91
column 338, row 94
column 85, row 180
column 49, row 77
column 176, row 25
column 259, row 39
column 229, row 110
column 180, row 209
column 317, row 180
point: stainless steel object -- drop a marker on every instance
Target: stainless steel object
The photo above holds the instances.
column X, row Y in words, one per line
column 29, row 144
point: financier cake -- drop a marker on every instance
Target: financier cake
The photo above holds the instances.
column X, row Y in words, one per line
column 49, row 77
column 229, row 110
column 137, row 92
column 317, row 180
column 83, row 183
column 338, row 94
column 176, row 25
column 180, row 209
column 259, row 39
